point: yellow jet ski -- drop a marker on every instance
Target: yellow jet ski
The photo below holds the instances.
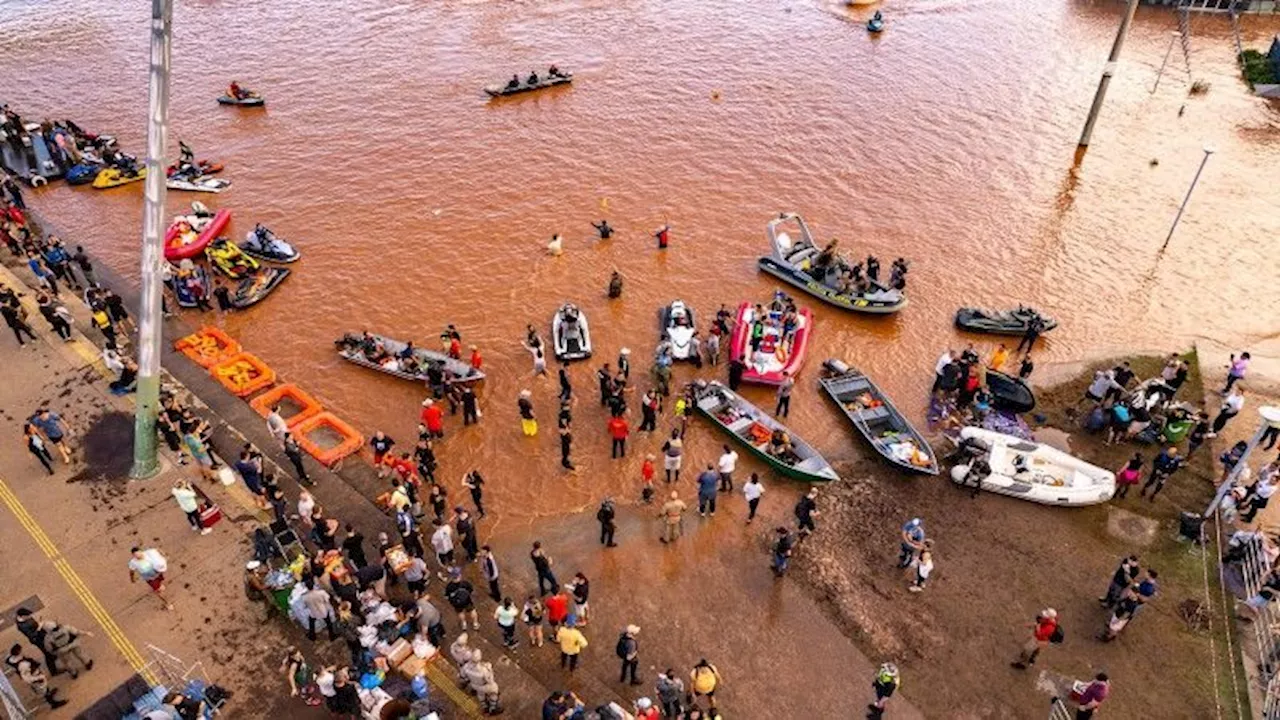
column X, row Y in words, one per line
column 229, row 259
column 115, row 177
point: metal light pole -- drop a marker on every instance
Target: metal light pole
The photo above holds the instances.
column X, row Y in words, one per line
column 145, row 462
column 1172, row 39
column 1107, row 71
column 1207, row 152
column 1270, row 419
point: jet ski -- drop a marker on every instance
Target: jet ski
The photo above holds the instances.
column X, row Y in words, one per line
column 678, row 328
column 83, row 173
column 1002, row 322
column 196, row 169
column 257, row 286
column 188, row 282
column 249, row 100
column 260, row 242
column 227, row 258
column 199, row 183
column 115, row 177
column 876, row 23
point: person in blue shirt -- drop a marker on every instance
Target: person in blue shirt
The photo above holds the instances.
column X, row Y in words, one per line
column 54, row 430
column 1164, row 466
column 708, row 486
column 912, row 541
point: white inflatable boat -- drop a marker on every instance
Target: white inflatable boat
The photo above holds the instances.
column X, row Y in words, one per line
column 1036, row 472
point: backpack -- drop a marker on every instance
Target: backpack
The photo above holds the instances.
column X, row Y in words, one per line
column 1058, row 636
column 622, row 648
column 460, row 596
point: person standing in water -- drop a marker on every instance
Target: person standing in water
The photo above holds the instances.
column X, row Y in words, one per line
column 528, row 424
column 663, row 234
column 603, row 228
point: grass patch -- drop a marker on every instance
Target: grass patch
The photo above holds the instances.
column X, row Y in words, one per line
column 1256, row 68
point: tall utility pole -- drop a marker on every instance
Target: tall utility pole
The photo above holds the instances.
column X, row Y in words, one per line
column 145, row 462
column 1203, row 161
column 1107, row 72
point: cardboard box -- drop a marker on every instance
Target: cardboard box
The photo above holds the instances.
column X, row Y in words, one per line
column 399, row 651
column 412, row 666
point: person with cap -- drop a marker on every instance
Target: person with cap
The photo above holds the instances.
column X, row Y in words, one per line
column 572, row 643
column 1044, row 630
column 188, row 502
column 672, row 515
column 645, row 710
column 459, row 594
column 886, row 682
column 64, row 642
column 480, row 678
column 912, row 542
column 629, row 653
column 433, row 418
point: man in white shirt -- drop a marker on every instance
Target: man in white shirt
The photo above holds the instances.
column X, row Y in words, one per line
column 442, row 542
column 752, row 492
column 276, row 424
column 943, row 361
column 1231, row 406
column 728, row 461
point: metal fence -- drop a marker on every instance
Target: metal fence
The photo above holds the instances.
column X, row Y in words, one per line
column 1248, row 563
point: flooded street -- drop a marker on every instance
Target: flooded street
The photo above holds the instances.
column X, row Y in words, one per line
column 417, row 202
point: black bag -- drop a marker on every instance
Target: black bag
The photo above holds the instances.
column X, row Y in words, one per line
column 622, row 648
column 1058, row 636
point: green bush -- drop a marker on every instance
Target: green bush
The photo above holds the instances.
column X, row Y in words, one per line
column 1257, row 68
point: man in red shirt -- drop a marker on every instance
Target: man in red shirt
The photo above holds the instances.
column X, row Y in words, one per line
column 476, row 360
column 557, row 610
column 1044, row 628
column 432, row 418
column 618, row 430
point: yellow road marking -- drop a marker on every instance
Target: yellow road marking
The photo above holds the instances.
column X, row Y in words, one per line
column 450, row 687
column 77, row 585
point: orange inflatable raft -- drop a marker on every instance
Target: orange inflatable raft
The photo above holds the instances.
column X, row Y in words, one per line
column 349, row 441
column 207, row 346
column 290, row 394
column 243, row 374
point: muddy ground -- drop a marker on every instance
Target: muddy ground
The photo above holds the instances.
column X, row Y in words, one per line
column 999, row 561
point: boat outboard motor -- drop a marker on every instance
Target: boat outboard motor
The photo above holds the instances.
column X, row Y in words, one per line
column 836, row 367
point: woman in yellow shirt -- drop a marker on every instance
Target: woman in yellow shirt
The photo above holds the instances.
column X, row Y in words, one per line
column 998, row 357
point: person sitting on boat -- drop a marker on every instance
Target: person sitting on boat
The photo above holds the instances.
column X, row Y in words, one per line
column 981, row 403
column 553, row 71
column 185, row 155
column 779, row 444
column 825, row 259
column 978, row 471
column 235, row 91
column 407, row 352
column 533, row 78
column 368, row 345
column 514, row 82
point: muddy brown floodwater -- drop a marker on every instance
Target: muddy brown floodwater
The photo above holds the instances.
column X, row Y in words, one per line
column 416, row 202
